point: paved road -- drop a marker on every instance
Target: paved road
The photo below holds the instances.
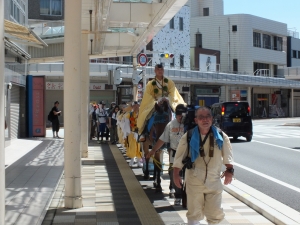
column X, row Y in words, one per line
column 271, row 162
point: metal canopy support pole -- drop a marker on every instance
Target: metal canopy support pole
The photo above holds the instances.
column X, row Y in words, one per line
column 85, row 82
column 226, row 93
column 2, row 123
column 134, row 89
column 249, row 97
column 72, row 92
column 292, row 101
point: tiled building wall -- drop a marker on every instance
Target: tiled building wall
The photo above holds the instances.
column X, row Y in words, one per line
column 174, row 40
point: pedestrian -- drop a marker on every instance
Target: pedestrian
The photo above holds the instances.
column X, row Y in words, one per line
column 112, row 125
column 172, row 134
column 55, row 121
column 93, row 123
column 101, row 119
column 203, row 150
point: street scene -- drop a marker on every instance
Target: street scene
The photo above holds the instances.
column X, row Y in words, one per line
column 149, row 112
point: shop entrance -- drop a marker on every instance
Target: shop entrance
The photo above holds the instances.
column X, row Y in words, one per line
column 261, row 105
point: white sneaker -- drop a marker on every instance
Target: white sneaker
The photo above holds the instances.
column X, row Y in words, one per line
column 131, row 162
column 140, row 163
column 177, row 201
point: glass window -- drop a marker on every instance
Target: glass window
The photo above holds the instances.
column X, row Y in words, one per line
column 198, row 40
column 256, row 40
column 180, row 23
column 234, row 27
column 266, row 41
column 11, row 8
column 298, row 54
column 51, row 7
column 181, row 61
column 294, row 54
column 235, row 109
column 205, row 11
column 172, row 23
column 235, row 66
column 172, row 63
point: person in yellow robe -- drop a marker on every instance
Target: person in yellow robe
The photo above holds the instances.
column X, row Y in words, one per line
column 159, row 89
column 134, row 147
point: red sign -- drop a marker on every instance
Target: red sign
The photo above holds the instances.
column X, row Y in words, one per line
column 38, row 107
column 235, row 95
column 142, row 59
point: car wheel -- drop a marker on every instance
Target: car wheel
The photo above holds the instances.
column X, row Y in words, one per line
column 249, row 138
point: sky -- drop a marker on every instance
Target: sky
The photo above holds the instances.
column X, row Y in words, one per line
column 287, row 11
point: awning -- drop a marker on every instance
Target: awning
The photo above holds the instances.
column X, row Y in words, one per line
column 21, row 34
column 16, row 49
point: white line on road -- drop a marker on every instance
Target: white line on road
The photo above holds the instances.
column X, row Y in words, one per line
column 268, row 177
column 278, row 146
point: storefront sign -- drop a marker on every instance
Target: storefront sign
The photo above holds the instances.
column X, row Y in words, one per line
column 38, row 120
column 97, row 86
column 54, row 86
column 235, row 95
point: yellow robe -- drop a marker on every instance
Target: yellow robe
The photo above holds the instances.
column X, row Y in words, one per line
column 149, row 99
column 134, row 147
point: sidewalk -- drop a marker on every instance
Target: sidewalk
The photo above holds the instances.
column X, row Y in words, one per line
column 113, row 193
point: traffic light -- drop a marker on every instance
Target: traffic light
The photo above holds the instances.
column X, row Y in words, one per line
column 117, row 77
column 166, row 55
column 136, row 76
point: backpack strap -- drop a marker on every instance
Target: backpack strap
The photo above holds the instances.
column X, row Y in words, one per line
column 188, row 139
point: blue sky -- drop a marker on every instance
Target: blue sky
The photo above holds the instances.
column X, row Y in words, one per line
column 287, row 11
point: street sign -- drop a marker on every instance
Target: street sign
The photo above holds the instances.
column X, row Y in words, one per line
column 142, row 59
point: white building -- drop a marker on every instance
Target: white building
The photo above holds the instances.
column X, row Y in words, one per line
column 175, row 38
column 246, row 42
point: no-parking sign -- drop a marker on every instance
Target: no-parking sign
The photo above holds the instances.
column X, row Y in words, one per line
column 142, row 59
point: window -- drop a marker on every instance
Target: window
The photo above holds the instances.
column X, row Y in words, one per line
column 181, row 61
column 260, row 66
column 17, row 11
column 266, row 41
column 277, row 43
column 180, row 23
column 294, row 54
column 205, row 11
column 235, row 66
column 51, row 7
column 275, row 68
column 234, row 27
column 172, row 23
column 198, row 40
column 256, row 40
column 298, row 54
column 172, row 63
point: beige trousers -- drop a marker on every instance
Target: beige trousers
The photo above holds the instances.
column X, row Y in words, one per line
column 204, row 202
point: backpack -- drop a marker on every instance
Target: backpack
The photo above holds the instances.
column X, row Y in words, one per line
column 50, row 116
column 189, row 119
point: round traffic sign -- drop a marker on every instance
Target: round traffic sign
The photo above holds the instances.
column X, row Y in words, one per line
column 143, row 60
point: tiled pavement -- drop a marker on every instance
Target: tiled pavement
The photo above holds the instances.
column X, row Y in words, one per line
column 114, row 195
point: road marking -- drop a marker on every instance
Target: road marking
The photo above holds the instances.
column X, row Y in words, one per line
column 278, row 146
column 268, row 177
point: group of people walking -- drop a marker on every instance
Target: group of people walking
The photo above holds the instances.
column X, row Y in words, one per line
column 197, row 154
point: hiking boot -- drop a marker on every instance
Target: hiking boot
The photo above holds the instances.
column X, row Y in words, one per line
column 177, row 201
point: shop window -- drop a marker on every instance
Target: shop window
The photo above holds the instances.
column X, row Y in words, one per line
column 172, row 23
column 205, row 11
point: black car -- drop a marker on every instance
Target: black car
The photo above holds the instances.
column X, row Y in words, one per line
column 233, row 118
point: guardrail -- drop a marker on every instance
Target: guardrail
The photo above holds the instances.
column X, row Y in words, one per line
column 101, row 69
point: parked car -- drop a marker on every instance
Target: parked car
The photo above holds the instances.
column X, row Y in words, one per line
column 233, row 118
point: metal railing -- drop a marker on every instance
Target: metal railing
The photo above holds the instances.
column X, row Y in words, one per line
column 262, row 72
column 189, row 76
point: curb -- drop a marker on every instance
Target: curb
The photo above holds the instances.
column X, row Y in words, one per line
column 270, row 208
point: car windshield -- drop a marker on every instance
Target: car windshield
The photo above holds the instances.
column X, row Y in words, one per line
column 239, row 109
